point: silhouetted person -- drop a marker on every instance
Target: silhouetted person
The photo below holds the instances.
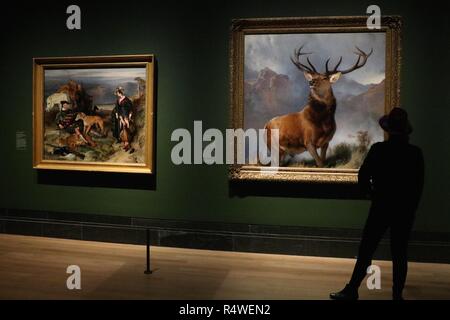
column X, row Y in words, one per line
column 392, row 174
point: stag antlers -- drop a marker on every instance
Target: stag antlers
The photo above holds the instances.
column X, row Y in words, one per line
column 311, row 69
column 361, row 55
column 296, row 60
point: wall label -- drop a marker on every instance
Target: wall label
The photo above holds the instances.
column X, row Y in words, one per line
column 21, row 141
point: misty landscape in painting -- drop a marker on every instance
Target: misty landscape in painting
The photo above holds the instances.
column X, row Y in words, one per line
column 274, row 86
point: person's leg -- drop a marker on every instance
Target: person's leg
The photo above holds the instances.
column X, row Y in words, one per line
column 374, row 229
column 400, row 233
column 85, row 137
column 115, row 127
column 75, row 130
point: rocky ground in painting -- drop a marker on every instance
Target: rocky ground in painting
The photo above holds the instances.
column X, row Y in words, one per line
column 107, row 149
column 341, row 156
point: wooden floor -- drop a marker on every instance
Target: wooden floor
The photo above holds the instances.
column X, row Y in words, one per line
column 35, row 268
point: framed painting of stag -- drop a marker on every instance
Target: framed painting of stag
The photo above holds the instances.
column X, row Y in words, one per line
column 93, row 113
column 318, row 86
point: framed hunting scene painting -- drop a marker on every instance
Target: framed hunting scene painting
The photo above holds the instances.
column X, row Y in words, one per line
column 93, row 113
column 322, row 84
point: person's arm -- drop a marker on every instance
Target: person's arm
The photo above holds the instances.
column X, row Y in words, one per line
column 128, row 108
column 115, row 111
column 59, row 121
column 365, row 173
column 420, row 179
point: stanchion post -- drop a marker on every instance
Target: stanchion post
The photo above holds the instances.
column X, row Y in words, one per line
column 148, row 271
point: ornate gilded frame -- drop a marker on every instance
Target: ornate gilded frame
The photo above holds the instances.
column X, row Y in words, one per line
column 391, row 25
column 122, row 61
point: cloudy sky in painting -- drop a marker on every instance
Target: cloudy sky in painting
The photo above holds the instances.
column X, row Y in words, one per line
column 274, row 51
column 117, row 74
column 99, row 83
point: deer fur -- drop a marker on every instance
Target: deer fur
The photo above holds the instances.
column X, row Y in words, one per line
column 314, row 126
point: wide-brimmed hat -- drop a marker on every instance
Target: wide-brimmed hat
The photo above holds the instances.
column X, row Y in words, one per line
column 396, row 122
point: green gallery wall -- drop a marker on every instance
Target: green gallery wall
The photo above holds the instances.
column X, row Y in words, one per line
column 190, row 42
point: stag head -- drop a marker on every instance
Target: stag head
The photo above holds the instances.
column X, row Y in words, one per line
column 320, row 83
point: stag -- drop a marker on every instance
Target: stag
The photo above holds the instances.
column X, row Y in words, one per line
column 314, row 126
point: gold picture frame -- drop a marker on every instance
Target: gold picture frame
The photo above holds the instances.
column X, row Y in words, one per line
column 130, row 150
column 241, row 28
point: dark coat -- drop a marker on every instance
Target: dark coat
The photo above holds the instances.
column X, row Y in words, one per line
column 66, row 118
column 122, row 109
column 393, row 174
